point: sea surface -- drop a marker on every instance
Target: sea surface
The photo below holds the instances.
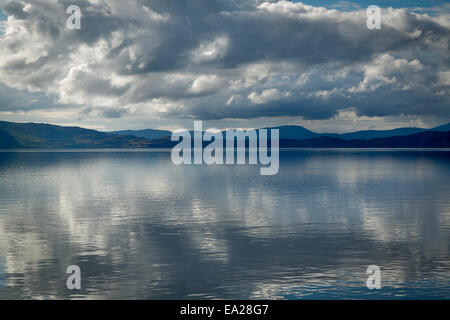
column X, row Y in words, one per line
column 140, row 227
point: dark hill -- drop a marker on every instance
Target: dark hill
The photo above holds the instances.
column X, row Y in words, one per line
column 7, row 141
column 427, row 139
column 37, row 135
column 150, row 134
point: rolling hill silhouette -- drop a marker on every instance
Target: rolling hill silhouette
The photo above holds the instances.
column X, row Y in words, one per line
column 37, row 135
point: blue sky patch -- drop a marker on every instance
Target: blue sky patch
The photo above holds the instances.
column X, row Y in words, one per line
column 3, row 16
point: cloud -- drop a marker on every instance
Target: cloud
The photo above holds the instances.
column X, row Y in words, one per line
column 15, row 9
column 224, row 59
column 206, row 84
column 265, row 96
column 209, row 51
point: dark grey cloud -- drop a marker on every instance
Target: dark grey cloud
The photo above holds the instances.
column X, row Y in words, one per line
column 15, row 9
column 113, row 113
column 13, row 100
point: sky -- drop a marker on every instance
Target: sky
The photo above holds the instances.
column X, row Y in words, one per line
column 231, row 63
column 380, row 3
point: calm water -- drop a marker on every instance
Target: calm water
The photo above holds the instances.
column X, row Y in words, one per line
column 141, row 228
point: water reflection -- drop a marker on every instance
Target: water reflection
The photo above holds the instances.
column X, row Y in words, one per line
column 140, row 227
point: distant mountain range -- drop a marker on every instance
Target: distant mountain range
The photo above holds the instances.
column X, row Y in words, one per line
column 150, row 134
column 37, row 135
column 427, row 139
column 301, row 133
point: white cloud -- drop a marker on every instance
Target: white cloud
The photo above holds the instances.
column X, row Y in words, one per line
column 265, row 96
column 210, row 50
column 206, row 84
column 386, row 70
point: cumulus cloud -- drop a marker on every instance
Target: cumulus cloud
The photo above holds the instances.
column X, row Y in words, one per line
column 265, row 96
column 222, row 59
column 206, row 84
